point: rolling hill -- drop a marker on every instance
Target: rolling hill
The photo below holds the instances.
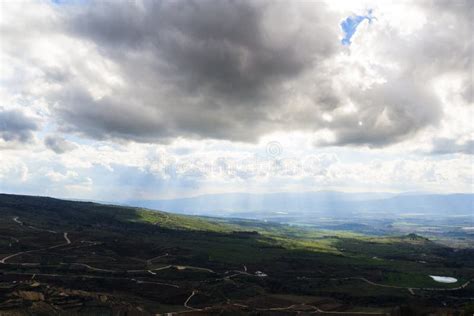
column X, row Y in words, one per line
column 83, row 258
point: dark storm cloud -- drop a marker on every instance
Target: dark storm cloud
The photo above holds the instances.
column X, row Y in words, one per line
column 231, row 48
column 58, row 144
column 238, row 70
column 406, row 102
column 124, row 116
column 16, row 126
column 391, row 112
column 204, row 69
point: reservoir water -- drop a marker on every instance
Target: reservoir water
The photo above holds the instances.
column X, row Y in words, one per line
column 443, row 279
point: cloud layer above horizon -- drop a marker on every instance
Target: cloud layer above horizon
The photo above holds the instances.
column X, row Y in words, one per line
column 96, row 94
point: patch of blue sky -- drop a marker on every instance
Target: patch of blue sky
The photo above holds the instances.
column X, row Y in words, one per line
column 349, row 26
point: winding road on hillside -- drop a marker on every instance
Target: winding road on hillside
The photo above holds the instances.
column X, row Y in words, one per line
column 410, row 289
column 36, row 250
column 16, row 220
column 86, row 276
column 222, row 276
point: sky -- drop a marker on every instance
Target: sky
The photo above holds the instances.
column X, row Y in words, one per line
column 115, row 100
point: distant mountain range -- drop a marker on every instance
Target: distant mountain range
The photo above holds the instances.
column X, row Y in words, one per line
column 328, row 203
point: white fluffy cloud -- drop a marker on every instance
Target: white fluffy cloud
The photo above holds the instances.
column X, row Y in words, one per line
column 231, row 70
column 187, row 94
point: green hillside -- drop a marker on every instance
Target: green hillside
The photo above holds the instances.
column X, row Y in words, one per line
column 80, row 256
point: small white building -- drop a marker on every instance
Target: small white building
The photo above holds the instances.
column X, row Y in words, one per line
column 260, row 274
